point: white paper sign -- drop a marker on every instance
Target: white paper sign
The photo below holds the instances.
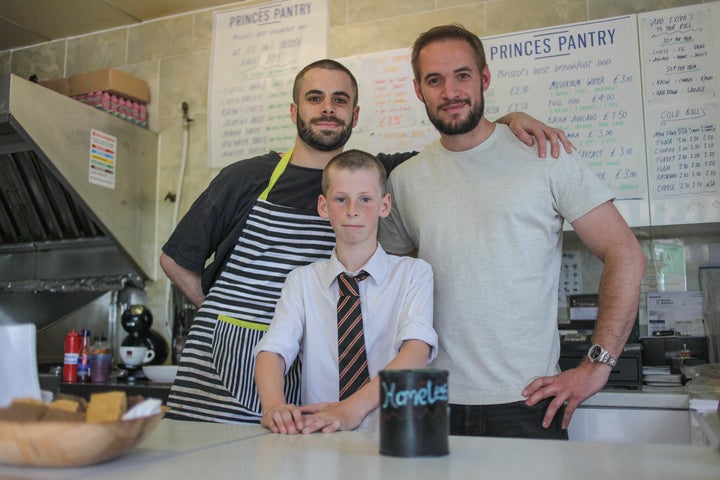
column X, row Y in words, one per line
column 681, row 311
column 256, row 53
column 103, row 159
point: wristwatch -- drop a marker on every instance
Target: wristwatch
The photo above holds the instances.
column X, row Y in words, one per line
column 597, row 353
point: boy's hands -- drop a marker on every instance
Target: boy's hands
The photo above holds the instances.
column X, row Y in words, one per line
column 284, row 418
column 331, row 417
column 325, row 417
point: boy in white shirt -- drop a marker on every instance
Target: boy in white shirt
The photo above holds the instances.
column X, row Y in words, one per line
column 396, row 303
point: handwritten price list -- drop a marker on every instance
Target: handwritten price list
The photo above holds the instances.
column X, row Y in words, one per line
column 257, row 51
column 685, row 159
column 681, row 96
column 392, row 119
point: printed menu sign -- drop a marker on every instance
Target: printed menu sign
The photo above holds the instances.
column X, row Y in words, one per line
column 256, row 53
column 585, row 79
column 680, row 70
column 582, row 78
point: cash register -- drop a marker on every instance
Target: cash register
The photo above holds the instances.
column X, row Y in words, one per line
column 576, row 339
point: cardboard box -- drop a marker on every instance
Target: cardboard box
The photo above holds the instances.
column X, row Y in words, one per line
column 110, row 80
column 61, row 85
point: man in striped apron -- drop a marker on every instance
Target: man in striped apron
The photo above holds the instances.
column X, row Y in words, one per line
column 259, row 219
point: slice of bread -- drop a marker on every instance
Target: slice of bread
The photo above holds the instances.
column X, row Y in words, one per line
column 66, row 405
column 23, row 410
column 106, row 407
column 63, row 411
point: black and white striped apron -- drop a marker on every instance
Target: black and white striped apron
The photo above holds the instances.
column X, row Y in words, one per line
column 215, row 380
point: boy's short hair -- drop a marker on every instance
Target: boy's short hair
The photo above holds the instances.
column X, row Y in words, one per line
column 355, row 160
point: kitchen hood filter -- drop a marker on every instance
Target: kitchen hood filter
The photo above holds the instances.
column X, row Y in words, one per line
column 35, row 207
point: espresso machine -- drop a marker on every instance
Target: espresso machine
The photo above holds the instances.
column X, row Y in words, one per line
column 137, row 321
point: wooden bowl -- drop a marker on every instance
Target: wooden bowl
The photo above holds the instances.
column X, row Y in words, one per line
column 70, row 444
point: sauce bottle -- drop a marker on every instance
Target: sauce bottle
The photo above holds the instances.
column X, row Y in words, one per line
column 70, row 359
column 83, row 368
column 100, row 359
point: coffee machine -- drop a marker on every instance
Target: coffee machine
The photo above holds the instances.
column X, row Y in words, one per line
column 137, row 321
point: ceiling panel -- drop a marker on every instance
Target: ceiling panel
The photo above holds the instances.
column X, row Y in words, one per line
column 13, row 35
column 29, row 22
column 150, row 9
column 67, row 18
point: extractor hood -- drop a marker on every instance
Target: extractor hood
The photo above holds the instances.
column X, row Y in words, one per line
column 56, row 196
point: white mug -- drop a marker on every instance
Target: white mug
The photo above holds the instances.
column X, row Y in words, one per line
column 135, row 356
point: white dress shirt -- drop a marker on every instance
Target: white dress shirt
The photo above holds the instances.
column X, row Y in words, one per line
column 397, row 304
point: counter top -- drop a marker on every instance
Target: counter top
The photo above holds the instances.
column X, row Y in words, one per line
column 665, row 398
column 142, row 387
column 177, row 450
column 145, row 388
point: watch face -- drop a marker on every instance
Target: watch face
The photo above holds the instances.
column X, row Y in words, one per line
column 594, row 353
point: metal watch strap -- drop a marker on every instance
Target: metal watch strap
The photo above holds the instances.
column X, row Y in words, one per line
column 604, row 356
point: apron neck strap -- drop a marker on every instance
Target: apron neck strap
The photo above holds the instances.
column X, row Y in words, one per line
column 279, row 169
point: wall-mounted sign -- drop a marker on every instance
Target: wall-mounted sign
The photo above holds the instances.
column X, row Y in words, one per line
column 256, row 53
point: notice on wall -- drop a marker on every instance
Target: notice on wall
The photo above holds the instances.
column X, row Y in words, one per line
column 392, row 119
column 256, row 53
column 570, row 277
column 681, row 74
column 680, row 311
column 585, row 79
column 103, row 159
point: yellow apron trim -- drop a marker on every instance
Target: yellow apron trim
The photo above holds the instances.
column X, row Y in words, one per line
column 244, row 323
column 279, row 169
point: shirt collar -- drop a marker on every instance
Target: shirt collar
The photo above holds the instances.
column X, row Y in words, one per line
column 376, row 266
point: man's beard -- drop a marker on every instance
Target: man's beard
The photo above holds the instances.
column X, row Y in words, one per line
column 464, row 126
column 318, row 140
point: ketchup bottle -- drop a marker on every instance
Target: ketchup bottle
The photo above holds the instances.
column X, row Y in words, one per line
column 72, row 353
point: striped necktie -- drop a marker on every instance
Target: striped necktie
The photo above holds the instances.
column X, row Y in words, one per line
column 351, row 340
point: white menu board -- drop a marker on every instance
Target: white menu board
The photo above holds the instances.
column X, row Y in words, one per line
column 392, row 119
column 681, row 75
column 582, row 78
column 256, row 53
column 585, row 79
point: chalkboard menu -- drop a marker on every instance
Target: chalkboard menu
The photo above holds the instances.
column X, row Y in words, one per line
column 680, row 56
